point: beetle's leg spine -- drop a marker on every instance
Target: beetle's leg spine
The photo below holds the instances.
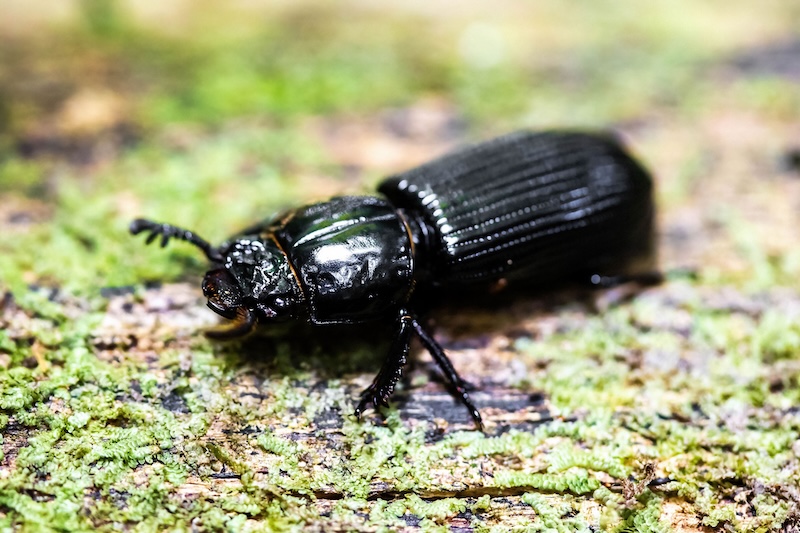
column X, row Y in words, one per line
column 382, row 386
column 168, row 231
column 438, row 354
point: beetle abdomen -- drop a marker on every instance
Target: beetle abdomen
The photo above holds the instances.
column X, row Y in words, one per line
column 537, row 207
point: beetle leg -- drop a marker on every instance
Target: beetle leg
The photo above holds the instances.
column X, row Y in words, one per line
column 382, row 386
column 461, row 387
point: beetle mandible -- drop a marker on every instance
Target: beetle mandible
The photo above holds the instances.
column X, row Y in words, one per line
column 523, row 209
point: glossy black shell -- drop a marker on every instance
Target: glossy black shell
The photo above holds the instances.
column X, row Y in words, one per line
column 529, row 207
column 352, row 256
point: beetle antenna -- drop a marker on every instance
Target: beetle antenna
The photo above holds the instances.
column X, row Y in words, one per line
column 167, row 232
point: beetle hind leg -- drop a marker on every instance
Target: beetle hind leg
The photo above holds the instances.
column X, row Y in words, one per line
column 461, row 387
column 382, row 386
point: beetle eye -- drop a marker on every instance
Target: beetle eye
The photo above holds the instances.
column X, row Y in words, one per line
column 223, row 293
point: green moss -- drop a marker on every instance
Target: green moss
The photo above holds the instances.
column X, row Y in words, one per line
column 273, row 444
column 645, row 519
column 577, row 482
column 393, row 452
column 100, row 427
column 21, row 176
column 432, row 515
column 553, row 515
column 80, row 251
column 86, row 435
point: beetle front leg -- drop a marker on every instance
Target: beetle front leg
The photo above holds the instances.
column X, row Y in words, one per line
column 438, row 354
column 382, row 386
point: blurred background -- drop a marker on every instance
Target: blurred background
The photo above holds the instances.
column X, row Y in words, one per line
column 211, row 115
column 115, row 413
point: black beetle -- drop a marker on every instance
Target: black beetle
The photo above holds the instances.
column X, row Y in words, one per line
column 523, row 209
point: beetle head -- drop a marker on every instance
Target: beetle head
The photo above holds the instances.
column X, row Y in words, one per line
column 255, row 284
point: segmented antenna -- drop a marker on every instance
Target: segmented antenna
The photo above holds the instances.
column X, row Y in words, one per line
column 167, row 232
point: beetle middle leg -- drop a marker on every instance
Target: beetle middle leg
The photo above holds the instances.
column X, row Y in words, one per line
column 438, row 354
column 383, row 385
